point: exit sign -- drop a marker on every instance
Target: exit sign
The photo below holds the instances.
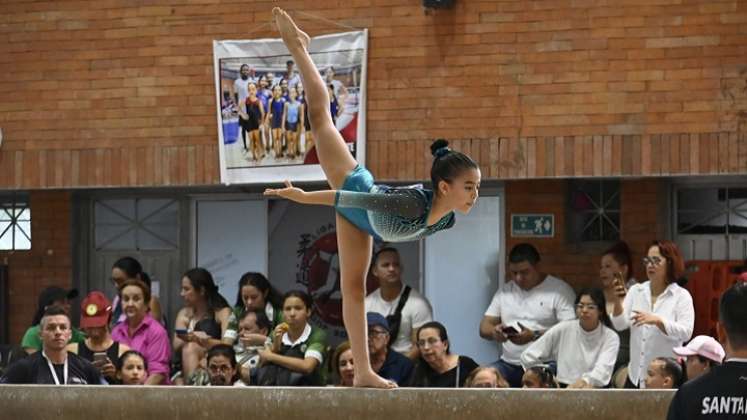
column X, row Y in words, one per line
column 532, row 225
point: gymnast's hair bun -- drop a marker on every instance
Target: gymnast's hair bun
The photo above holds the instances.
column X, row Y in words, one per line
column 439, row 148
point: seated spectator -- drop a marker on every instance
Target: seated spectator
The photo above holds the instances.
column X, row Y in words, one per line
column 387, row 363
column 252, row 323
column 437, row 367
column 297, row 350
column 222, row 367
column 701, row 354
column 127, row 268
column 405, row 308
column 9, row 354
column 54, row 365
column 143, row 333
column 523, row 309
column 664, row 373
column 51, row 296
column 485, row 377
column 342, row 365
column 617, row 267
column 201, row 322
column 255, row 294
column 539, row 376
column 585, row 349
column 132, row 368
column 99, row 347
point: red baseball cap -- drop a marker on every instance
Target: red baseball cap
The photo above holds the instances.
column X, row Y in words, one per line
column 95, row 310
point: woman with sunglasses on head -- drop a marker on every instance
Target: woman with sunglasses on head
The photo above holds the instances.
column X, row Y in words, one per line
column 659, row 312
column 585, row 348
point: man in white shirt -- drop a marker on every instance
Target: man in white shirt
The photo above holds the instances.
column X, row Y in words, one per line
column 387, row 270
column 523, row 309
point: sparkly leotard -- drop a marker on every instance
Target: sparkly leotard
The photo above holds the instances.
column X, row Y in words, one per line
column 387, row 213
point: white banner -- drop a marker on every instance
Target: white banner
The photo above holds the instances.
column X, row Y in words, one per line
column 263, row 135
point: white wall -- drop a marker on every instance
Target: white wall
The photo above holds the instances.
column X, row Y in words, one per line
column 462, row 274
column 231, row 240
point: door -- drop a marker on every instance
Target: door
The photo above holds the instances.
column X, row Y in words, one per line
column 150, row 229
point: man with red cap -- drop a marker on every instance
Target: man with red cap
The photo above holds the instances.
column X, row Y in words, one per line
column 99, row 347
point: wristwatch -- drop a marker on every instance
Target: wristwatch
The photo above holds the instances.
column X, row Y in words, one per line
column 536, row 334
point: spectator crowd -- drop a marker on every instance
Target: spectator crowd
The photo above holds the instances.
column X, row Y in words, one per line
column 625, row 333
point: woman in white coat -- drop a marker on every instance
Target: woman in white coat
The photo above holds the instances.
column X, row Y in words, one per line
column 584, row 348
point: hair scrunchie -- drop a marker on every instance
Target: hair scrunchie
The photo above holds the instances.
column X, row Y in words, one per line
column 442, row 151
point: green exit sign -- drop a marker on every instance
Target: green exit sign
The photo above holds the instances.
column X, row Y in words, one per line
column 532, row 225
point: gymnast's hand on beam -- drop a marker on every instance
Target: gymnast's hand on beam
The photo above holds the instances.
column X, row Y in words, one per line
column 289, row 192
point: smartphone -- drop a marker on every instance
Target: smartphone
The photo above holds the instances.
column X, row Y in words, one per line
column 510, row 331
column 100, row 359
column 181, row 331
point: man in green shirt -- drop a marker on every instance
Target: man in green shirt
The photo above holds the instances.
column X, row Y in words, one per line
column 51, row 296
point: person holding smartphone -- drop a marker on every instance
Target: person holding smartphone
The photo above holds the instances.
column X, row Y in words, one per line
column 99, row 347
column 659, row 312
column 527, row 305
column 615, row 278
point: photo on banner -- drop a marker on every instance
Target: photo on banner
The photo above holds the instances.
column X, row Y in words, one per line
column 263, row 127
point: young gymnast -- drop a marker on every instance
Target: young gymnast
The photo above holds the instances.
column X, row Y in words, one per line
column 291, row 124
column 365, row 210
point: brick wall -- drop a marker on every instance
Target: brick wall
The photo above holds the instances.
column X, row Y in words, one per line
column 579, row 265
column 116, row 93
column 48, row 263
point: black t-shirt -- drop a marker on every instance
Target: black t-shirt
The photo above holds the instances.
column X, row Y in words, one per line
column 34, row 369
column 425, row 377
column 718, row 394
column 397, row 367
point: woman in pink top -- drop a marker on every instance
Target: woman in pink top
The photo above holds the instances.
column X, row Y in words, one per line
column 143, row 333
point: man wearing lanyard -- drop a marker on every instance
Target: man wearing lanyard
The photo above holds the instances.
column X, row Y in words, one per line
column 722, row 392
column 54, row 365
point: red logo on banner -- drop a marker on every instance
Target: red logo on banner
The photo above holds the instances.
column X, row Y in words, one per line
column 319, row 272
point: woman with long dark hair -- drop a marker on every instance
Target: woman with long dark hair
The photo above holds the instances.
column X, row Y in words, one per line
column 200, row 324
column 255, row 294
column 585, row 348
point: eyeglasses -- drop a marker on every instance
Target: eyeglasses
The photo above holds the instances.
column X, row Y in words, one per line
column 652, row 261
column 590, row 306
column 373, row 332
column 219, row 369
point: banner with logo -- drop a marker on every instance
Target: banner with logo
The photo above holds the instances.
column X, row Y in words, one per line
column 263, row 130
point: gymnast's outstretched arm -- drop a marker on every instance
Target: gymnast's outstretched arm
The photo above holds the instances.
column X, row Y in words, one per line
column 402, row 203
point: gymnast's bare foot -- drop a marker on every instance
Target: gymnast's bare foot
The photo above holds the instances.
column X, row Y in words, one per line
column 293, row 37
column 371, row 380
